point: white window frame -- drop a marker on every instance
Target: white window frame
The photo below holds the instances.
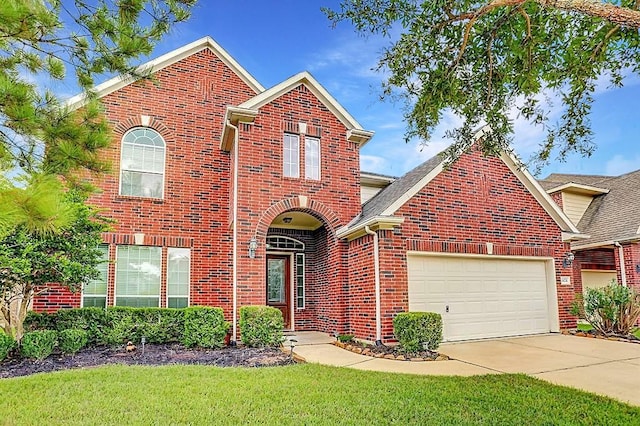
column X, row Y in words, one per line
column 307, row 158
column 134, row 170
column 291, row 156
column 188, row 296
column 115, row 283
column 106, row 279
column 300, row 281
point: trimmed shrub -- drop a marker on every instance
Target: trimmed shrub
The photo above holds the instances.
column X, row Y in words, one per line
column 204, row 327
column 7, row 344
column 261, row 326
column 38, row 344
column 92, row 320
column 71, row 340
column 414, row 329
column 158, row 325
column 613, row 309
column 39, row 321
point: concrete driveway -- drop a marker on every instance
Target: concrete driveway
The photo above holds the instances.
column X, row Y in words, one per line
column 600, row 366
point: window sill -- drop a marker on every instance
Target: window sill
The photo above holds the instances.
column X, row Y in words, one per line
column 137, row 198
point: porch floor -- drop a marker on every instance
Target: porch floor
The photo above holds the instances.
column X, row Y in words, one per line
column 305, row 338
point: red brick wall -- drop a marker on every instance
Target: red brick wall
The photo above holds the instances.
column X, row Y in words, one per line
column 361, row 278
column 186, row 104
column 264, row 193
column 456, row 214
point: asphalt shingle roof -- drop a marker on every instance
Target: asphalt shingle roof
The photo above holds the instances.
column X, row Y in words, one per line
column 609, row 217
column 385, row 198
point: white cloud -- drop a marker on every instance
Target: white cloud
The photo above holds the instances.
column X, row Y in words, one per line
column 619, row 165
column 373, row 163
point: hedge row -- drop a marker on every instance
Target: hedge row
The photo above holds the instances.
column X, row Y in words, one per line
column 193, row 326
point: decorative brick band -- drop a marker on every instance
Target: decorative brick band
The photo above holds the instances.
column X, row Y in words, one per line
column 149, row 240
column 475, row 248
column 136, row 121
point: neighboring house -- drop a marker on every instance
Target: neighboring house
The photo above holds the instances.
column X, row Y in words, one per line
column 607, row 209
column 229, row 194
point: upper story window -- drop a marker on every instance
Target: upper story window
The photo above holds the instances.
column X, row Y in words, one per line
column 291, row 156
column 142, row 163
column 312, row 158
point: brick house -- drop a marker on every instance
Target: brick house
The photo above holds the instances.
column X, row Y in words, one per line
column 229, row 194
column 605, row 208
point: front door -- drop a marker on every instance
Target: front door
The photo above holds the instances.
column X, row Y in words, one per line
column 279, row 284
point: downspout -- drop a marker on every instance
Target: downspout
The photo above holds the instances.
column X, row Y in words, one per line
column 623, row 269
column 234, row 335
column 376, row 269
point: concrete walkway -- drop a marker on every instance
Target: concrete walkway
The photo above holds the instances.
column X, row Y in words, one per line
column 600, row 366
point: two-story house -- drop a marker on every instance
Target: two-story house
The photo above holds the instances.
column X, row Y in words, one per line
column 229, row 194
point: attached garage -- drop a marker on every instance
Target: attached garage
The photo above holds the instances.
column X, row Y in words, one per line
column 484, row 296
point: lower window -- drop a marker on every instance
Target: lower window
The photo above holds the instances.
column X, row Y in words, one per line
column 138, row 276
column 94, row 294
column 178, row 267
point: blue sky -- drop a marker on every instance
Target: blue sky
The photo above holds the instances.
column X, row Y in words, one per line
column 274, row 40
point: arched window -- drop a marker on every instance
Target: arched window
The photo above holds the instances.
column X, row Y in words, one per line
column 142, row 163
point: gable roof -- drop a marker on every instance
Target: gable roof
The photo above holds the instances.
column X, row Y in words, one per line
column 355, row 131
column 166, row 60
column 615, row 215
column 388, row 201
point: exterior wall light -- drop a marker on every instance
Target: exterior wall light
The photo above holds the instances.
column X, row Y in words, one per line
column 568, row 260
column 253, row 246
column 638, row 268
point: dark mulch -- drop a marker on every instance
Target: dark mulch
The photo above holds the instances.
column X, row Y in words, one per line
column 153, row 355
column 596, row 334
column 384, row 351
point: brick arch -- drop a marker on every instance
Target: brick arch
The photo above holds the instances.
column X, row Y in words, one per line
column 136, row 121
column 301, row 204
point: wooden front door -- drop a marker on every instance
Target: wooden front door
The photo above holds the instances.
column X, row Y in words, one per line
column 279, row 284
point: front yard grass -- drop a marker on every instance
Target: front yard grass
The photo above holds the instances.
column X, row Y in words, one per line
column 299, row 394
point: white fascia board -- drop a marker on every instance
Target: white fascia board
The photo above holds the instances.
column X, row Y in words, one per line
column 608, row 243
column 356, row 132
column 164, row 61
column 375, row 223
column 568, row 236
column 539, row 194
column 579, row 188
column 393, row 208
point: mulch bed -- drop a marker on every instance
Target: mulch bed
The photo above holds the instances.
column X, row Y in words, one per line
column 166, row 354
column 390, row 352
column 595, row 335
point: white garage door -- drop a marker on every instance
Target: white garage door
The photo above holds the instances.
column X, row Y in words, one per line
column 480, row 297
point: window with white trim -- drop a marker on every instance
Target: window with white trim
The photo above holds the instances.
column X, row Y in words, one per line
column 291, row 156
column 138, row 275
column 142, row 161
column 94, row 293
column 300, row 280
column 311, row 158
column 178, row 268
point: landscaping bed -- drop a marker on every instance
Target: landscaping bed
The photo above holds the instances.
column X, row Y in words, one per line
column 390, row 352
column 631, row 338
column 156, row 354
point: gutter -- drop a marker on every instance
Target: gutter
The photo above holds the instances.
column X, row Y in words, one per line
column 376, row 269
column 234, row 333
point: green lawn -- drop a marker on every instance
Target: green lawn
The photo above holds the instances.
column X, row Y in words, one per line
column 300, row 394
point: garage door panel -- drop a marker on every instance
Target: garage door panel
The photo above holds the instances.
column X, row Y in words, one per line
column 486, row 297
